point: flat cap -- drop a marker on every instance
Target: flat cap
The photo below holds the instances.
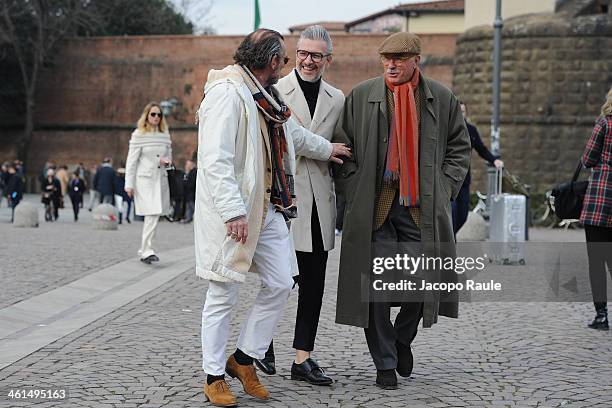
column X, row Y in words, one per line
column 401, row 43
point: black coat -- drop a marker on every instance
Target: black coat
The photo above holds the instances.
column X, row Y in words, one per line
column 190, row 185
column 76, row 188
column 104, row 180
column 480, row 148
column 14, row 187
column 51, row 191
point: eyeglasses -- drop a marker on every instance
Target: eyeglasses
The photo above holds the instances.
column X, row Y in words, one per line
column 155, row 114
column 398, row 58
column 315, row 56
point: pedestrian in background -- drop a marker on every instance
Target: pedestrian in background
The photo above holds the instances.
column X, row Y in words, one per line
column 13, row 189
column 94, row 196
column 190, row 186
column 119, row 192
column 76, row 188
column 461, row 204
column 51, row 190
column 104, row 181
column 4, row 177
column 597, row 211
column 146, row 180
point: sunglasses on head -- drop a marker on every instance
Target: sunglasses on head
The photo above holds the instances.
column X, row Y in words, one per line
column 154, row 114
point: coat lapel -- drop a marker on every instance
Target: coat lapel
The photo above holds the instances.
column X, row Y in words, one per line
column 294, row 98
column 323, row 106
column 379, row 124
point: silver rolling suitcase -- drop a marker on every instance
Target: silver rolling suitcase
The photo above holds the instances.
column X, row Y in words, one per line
column 507, row 226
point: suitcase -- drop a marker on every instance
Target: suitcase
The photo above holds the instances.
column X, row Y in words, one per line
column 507, row 226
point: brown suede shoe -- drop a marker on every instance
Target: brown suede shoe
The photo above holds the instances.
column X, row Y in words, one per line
column 248, row 378
column 219, row 394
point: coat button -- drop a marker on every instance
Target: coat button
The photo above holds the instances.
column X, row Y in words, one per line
column 269, row 169
column 158, row 155
column 268, row 190
column 384, row 139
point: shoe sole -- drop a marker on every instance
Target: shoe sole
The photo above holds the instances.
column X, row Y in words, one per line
column 145, row 261
column 387, row 387
column 220, row 405
column 296, row 377
column 254, row 396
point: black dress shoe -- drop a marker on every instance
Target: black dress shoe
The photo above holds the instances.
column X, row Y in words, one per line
column 266, row 365
column 149, row 259
column 404, row 359
column 600, row 322
column 310, row 371
column 386, row 379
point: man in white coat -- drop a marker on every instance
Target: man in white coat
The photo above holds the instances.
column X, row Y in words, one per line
column 244, row 196
column 316, row 105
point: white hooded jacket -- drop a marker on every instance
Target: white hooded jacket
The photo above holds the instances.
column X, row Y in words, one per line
column 230, row 178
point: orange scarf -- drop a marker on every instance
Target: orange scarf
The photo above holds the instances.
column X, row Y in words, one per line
column 403, row 150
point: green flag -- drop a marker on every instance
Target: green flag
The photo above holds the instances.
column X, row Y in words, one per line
column 257, row 16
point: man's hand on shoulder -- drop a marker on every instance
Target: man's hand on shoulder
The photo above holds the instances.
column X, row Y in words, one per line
column 339, row 150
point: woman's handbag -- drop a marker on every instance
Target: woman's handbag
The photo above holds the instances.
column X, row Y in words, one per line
column 569, row 196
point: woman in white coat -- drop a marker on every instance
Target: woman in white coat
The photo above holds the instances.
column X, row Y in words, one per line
column 146, row 181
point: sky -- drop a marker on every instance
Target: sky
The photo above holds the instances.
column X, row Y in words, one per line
column 236, row 16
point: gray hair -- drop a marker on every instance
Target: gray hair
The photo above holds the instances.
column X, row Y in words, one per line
column 317, row 33
column 258, row 48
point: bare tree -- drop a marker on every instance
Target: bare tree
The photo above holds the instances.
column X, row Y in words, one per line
column 199, row 13
column 30, row 31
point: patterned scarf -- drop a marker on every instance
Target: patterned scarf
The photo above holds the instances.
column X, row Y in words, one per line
column 403, row 149
column 276, row 113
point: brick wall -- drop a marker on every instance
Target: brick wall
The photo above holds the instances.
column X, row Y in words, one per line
column 91, row 97
column 555, row 75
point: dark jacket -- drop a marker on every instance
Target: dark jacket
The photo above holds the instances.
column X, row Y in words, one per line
column 190, row 185
column 14, row 188
column 51, row 190
column 104, row 180
column 597, row 206
column 76, row 188
column 444, row 161
column 480, row 148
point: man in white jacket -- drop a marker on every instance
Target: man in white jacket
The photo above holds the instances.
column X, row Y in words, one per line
column 244, row 196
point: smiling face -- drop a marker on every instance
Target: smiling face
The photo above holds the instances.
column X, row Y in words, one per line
column 312, row 59
column 154, row 117
column 399, row 68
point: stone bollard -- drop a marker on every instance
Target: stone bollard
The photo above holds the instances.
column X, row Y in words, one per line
column 105, row 217
column 474, row 229
column 26, row 216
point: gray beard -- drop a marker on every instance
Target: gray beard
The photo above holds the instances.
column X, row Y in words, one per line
column 308, row 80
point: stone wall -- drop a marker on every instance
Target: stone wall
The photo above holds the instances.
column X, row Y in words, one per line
column 89, row 100
column 556, row 71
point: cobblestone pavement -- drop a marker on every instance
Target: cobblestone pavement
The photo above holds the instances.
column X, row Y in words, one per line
column 147, row 354
column 36, row 260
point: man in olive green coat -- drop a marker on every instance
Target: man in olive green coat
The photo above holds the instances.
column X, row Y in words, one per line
column 400, row 194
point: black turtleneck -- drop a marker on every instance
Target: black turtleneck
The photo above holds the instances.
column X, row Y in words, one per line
column 310, row 91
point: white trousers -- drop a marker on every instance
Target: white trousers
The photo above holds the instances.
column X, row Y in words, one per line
column 148, row 233
column 272, row 259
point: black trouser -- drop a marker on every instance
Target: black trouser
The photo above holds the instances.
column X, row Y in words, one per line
column 311, row 285
column 340, row 204
column 381, row 334
column 461, row 207
column 76, row 204
column 600, row 254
